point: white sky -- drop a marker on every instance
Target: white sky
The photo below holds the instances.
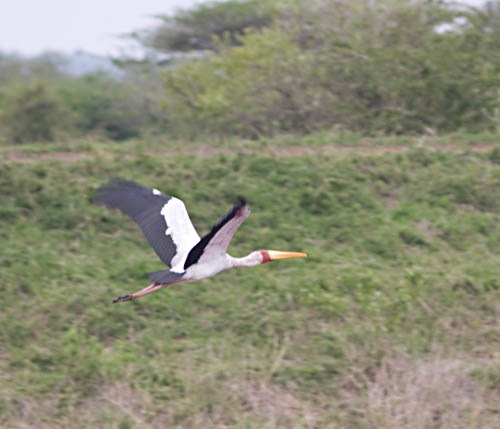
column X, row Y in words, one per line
column 33, row 26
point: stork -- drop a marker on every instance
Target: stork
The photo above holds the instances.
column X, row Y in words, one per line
column 166, row 224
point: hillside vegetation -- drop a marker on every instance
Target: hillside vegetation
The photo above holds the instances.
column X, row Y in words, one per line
column 392, row 321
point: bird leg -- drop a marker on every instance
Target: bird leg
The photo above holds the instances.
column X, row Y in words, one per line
column 151, row 288
column 123, row 299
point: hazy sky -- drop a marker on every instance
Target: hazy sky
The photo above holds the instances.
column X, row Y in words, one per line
column 33, row 26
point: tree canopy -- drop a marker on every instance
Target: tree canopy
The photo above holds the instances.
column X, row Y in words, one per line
column 373, row 67
column 195, row 29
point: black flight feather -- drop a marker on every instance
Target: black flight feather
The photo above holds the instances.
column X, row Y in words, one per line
column 196, row 252
column 164, row 276
column 144, row 207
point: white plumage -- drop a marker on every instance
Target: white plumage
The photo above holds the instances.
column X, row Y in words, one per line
column 180, row 228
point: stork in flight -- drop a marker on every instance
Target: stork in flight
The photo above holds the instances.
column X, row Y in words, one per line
column 166, row 224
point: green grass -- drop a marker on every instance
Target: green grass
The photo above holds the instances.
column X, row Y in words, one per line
column 391, row 322
column 317, row 141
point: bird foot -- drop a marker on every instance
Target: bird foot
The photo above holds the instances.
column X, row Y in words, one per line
column 123, row 298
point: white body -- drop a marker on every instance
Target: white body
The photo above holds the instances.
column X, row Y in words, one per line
column 209, row 268
column 214, row 258
column 181, row 229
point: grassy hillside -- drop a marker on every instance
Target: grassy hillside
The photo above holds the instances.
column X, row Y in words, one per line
column 392, row 321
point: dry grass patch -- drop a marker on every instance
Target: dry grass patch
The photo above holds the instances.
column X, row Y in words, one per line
column 274, row 405
column 119, row 405
column 436, row 392
column 230, row 404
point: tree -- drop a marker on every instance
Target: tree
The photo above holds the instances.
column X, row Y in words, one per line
column 116, row 109
column 32, row 114
column 194, row 29
column 45, row 67
column 366, row 66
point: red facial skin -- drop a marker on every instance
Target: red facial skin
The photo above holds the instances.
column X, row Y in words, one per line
column 265, row 256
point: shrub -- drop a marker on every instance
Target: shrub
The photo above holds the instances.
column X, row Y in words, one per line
column 391, row 67
column 194, row 29
column 31, row 113
column 249, row 90
column 104, row 105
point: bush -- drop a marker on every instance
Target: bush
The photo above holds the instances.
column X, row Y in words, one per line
column 32, row 113
column 391, row 67
column 104, row 105
column 250, row 90
column 39, row 103
column 195, row 28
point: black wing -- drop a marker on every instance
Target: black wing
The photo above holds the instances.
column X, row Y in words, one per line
column 215, row 243
column 162, row 218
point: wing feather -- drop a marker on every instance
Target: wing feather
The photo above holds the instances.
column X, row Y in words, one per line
column 215, row 243
column 163, row 219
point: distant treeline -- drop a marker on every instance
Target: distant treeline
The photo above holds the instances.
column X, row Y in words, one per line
column 39, row 103
column 267, row 67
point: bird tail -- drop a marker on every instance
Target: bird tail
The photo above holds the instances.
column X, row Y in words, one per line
column 165, row 276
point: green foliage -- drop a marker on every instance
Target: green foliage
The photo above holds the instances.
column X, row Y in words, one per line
column 104, row 105
column 220, row 92
column 31, row 114
column 38, row 102
column 389, row 67
column 270, row 68
column 94, row 104
column 14, row 69
column 195, row 28
column 402, row 277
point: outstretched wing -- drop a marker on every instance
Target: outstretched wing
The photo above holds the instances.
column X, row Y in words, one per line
column 215, row 243
column 162, row 218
